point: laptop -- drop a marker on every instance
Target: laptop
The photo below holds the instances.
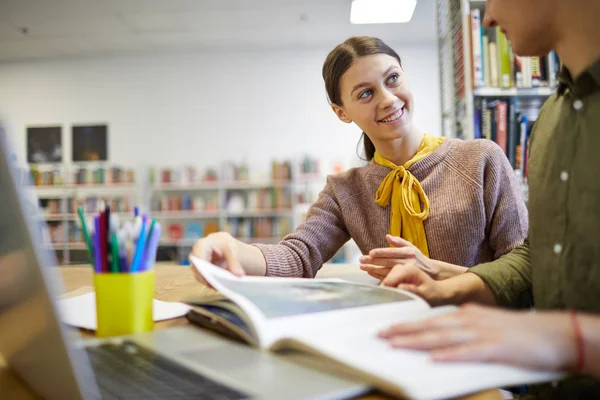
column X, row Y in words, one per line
column 178, row 363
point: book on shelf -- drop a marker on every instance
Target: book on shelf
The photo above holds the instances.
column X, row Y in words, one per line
column 337, row 321
column 187, row 175
column 91, row 204
column 194, row 231
column 186, row 202
column 309, row 166
column 500, row 121
column 103, row 175
column 262, row 227
column 189, row 232
column 259, row 199
column 477, row 48
column 43, row 177
column 281, row 171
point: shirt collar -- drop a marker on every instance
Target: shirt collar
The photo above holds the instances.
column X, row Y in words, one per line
column 588, row 82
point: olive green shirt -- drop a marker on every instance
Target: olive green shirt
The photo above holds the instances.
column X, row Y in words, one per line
column 558, row 267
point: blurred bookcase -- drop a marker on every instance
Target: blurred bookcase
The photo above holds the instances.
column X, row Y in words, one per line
column 59, row 189
column 253, row 206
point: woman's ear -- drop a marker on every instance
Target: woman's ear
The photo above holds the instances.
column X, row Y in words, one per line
column 341, row 114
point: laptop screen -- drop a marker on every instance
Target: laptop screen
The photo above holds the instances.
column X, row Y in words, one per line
column 32, row 341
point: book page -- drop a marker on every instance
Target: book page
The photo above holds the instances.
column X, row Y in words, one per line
column 280, row 306
column 404, row 372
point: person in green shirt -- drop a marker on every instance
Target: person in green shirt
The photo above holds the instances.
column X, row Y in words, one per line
column 557, row 269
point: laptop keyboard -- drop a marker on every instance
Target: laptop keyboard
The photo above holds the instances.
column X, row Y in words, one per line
column 128, row 371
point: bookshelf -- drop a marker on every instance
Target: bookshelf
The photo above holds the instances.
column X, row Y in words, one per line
column 252, row 206
column 468, row 71
column 58, row 189
column 486, row 91
column 281, row 199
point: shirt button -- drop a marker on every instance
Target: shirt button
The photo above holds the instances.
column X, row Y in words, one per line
column 578, row 105
column 557, row 248
column 564, row 176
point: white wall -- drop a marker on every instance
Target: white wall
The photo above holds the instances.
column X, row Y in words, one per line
column 201, row 109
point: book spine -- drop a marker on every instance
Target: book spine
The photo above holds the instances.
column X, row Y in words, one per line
column 501, row 131
column 477, row 132
column 488, row 124
column 536, row 72
column 519, row 71
column 523, row 143
column 486, row 62
column 504, row 59
column 512, row 133
column 494, row 65
column 494, row 122
column 484, row 119
column 477, row 55
column 553, row 69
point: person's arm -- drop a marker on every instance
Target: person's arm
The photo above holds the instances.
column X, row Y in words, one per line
column 547, row 340
column 590, row 329
column 379, row 262
column 508, row 278
column 505, row 281
column 302, row 253
column 299, row 254
column 507, row 220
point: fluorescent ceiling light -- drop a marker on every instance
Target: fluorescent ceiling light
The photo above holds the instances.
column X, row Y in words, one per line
column 382, row 11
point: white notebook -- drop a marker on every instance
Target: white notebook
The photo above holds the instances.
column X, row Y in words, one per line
column 80, row 311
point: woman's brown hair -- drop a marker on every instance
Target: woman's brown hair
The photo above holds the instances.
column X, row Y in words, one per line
column 340, row 60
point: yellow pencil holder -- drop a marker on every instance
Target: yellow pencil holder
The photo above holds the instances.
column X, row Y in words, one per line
column 124, row 303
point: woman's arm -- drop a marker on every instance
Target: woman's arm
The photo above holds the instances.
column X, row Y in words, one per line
column 302, row 253
column 299, row 254
column 507, row 221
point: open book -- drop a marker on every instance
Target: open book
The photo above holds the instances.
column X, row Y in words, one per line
column 339, row 321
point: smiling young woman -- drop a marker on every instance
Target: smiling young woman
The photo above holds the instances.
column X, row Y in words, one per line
column 439, row 204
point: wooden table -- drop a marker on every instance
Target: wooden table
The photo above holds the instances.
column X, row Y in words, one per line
column 176, row 283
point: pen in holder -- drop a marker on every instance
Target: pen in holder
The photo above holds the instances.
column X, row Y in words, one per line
column 124, row 279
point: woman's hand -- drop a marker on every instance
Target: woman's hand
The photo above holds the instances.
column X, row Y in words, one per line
column 380, row 262
column 220, row 249
column 223, row 250
column 540, row 340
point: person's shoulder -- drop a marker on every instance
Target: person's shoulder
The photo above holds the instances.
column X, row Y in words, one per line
column 476, row 151
column 350, row 176
column 350, row 182
column 475, row 159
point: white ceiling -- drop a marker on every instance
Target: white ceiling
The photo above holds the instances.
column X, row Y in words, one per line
column 71, row 28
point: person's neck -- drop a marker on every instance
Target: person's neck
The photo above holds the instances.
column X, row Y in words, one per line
column 578, row 45
column 400, row 150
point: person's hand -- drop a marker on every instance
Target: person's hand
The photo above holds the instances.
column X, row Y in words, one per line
column 379, row 262
column 219, row 249
column 475, row 333
column 411, row 278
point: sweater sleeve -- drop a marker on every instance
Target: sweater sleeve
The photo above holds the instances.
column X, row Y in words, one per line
column 509, row 277
column 506, row 214
column 302, row 253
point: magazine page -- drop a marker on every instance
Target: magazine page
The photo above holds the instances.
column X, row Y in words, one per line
column 404, row 372
column 280, row 307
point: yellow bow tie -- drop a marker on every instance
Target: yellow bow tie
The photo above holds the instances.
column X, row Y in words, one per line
column 406, row 194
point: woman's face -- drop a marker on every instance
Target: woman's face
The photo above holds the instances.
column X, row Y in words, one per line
column 376, row 97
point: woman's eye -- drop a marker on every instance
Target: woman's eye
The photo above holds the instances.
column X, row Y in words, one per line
column 365, row 93
column 393, row 78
